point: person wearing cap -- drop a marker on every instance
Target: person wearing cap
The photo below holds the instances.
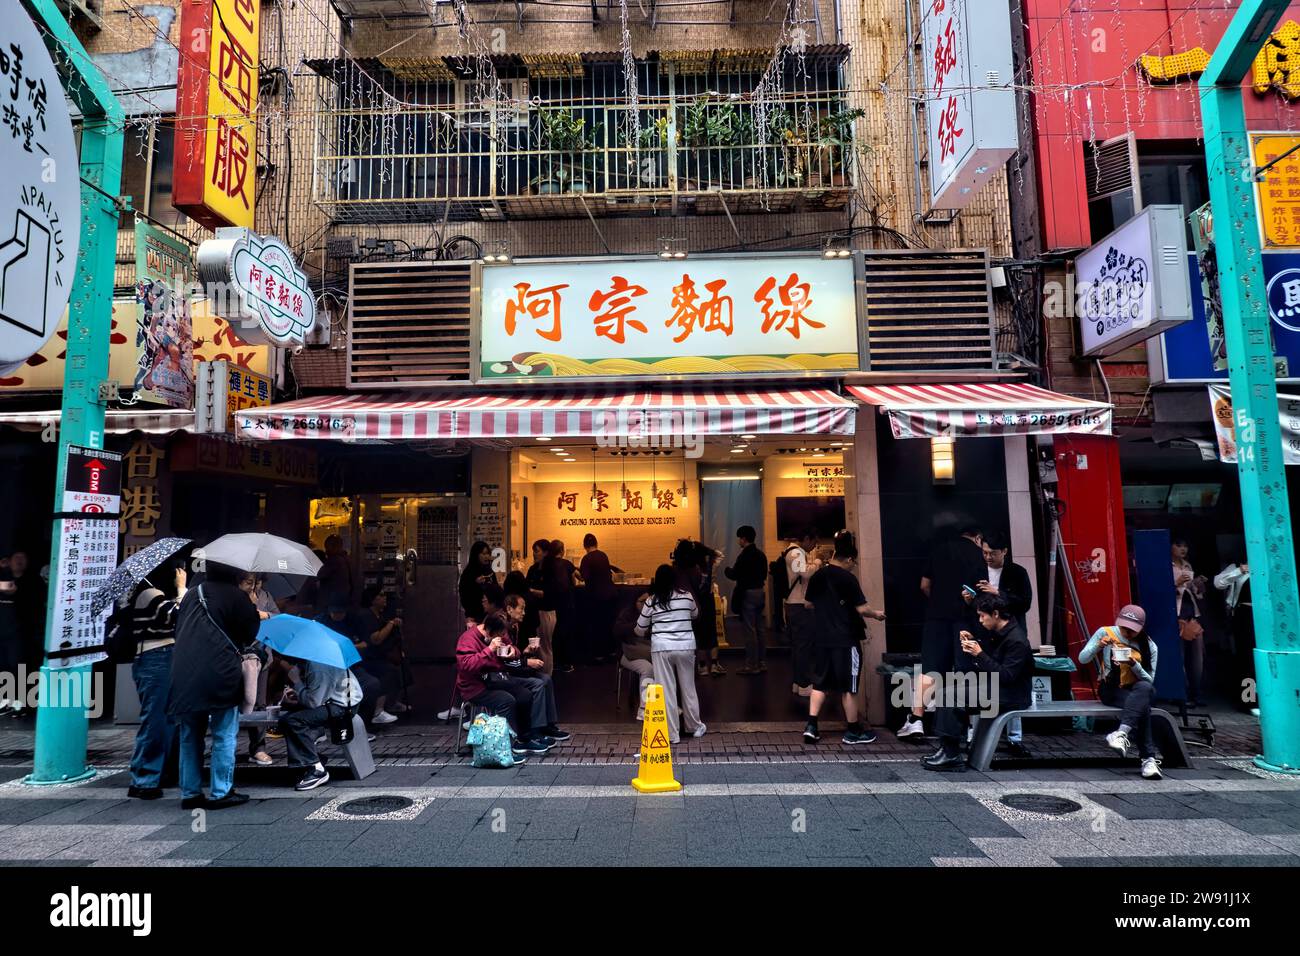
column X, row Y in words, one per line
column 1126, row 657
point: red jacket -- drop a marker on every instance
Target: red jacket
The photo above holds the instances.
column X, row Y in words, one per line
column 473, row 657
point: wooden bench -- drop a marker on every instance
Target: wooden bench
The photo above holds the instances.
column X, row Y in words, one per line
column 987, row 738
column 356, row 751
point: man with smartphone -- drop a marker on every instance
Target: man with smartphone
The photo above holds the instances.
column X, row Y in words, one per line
column 1003, row 653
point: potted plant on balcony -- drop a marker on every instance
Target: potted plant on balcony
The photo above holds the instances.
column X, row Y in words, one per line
column 716, row 132
column 834, row 144
column 568, row 164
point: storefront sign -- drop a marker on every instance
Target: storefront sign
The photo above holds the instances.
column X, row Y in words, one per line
column 1184, row 353
column 824, row 480
column 142, row 505
column 970, row 106
column 282, row 462
column 650, row 317
column 1131, row 284
column 92, row 481
column 223, row 390
column 87, row 557
column 40, row 197
column 164, row 332
column 1275, row 67
column 215, row 170
column 1225, row 425
column 1279, row 189
column 257, row 286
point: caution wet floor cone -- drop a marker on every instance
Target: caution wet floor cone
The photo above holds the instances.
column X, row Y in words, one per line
column 655, row 774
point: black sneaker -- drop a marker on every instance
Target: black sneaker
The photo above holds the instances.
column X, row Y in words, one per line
column 537, row 746
column 312, row 779
column 863, row 736
column 810, row 734
column 232, row 799
column 519, row 749
column 144, row 793
column 195, row 803
column 555, row 733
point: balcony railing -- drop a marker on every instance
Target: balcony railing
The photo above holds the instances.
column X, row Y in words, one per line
column 693, row 148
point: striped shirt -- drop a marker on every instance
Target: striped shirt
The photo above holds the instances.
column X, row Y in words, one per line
column 154, row 619
column 669, row 626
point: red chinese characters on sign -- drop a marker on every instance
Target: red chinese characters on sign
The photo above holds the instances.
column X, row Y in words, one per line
column 538, row 304
column 713, row 314
column 945, row 57
column 567, row 499
column 948, row 130
column 600, row 501
column 666, row 500
column 794, row 299
column 614, row 307
column 230, row 170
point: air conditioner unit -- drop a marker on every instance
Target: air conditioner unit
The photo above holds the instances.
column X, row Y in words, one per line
column 471, row 111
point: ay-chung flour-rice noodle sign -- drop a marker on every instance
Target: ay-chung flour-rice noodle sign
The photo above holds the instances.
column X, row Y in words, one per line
column 656, row 317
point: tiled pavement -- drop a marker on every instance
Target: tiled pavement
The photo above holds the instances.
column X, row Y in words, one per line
column 750, row 799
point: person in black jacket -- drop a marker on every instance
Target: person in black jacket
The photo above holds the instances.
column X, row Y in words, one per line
column 1002, row 650
column 1007, row 578
column 215, row 624
column 750, row 574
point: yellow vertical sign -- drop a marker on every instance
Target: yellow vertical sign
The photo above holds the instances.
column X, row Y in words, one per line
column 231, row 142
column 655, row 773
column 1279, row 190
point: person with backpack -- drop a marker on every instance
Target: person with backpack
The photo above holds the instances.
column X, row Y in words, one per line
column 151, row 623
column 750, row 574
column 667, row 617
column 323, row 694
column 1126, row 658
column 215, row 624
column 792, row 573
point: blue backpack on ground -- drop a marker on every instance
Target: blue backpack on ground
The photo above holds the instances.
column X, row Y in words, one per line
column 490, row 737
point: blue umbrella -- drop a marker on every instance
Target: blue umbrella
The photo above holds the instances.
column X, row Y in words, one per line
column 307, row 640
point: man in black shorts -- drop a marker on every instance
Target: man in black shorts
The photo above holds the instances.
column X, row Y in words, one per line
column 840, row 612
column 950, row 582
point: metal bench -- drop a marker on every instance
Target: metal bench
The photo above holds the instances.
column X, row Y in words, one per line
column 986, row 739
column 356, row 751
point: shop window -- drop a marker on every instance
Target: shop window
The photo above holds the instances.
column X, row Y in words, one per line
column 1167, row 174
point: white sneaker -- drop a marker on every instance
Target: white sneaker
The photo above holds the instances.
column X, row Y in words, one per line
column 449, row 714
column 1118, row 740
column 383, row 717
column 912, row 727
column 699, row 731
column 1151, row 769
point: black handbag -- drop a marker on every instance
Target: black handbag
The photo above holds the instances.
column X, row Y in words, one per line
column 339, row 721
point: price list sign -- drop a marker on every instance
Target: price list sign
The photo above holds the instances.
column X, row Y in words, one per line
column 88, row 556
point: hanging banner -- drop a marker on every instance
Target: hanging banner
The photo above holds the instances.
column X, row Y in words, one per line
column 970, row 106
column 40, row 197
column 164, row 330
column 214, row 173
column 1225, row 424
column 1202, row 221
column 651, row 317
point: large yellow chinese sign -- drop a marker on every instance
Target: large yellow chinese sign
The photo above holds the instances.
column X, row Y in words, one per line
column 215, row 170
column 1277, row 67
column 1279, row 190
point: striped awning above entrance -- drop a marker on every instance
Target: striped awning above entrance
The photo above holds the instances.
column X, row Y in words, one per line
column 588, row 414
column 984, row 409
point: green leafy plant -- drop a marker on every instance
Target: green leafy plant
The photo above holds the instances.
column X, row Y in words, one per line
column 569, row 143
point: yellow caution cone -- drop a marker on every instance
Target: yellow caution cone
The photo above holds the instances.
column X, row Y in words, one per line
column 655, row 774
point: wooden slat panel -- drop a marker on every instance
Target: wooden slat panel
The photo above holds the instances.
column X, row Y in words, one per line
column 411, row 324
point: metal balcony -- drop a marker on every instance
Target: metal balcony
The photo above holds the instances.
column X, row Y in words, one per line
column 401, row 145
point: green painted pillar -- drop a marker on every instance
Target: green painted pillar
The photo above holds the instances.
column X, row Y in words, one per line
column 62, row 721
column 1260, row 462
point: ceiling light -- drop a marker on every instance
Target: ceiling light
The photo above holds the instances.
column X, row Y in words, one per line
column 543, row 439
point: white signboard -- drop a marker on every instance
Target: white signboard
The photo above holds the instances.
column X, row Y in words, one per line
column 970, row 106
column 87, row 558
column 654, row 317
column 92, row 482
column 40, row 193
column 257, row 287
column 1133, row 284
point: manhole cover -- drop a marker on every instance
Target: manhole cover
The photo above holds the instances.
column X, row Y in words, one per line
column 370, row 806
column 1040, row 803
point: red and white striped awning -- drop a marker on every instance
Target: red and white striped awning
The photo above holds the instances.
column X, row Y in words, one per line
column 589, row 414
column 984, row 409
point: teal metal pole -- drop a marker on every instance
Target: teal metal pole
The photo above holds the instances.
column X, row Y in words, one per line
column 1260, row 461
column 62, row 722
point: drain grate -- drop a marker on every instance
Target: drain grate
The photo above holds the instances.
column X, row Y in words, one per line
column 1040, row 803
column 371, row 806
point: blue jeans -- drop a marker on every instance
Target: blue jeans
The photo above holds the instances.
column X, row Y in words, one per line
column 152, row 675
column 225, row 728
